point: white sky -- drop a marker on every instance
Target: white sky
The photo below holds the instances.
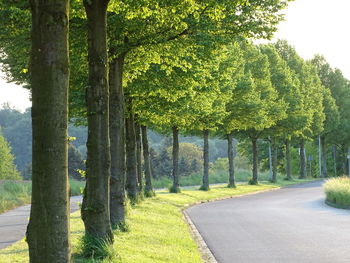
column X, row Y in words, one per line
column 311, row 26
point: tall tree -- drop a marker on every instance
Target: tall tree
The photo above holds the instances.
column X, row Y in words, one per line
column 289, row 90
column 95, row 207
column 255, row 104
column 48, row 228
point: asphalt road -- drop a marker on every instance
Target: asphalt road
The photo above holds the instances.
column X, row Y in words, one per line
column 13, row 224
column 287, row 225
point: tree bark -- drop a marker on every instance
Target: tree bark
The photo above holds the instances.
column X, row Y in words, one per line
column 149, row 192
column 205, row 185
column 131, row 161
column 302, row 160
column 254, row 179
column 117, row 139
column 139, row 159
column 176, row 177
column 231, row 168
column 274, row 160
column 48, row 229
column 95, row 207
column 324, row 157
column 345, row 161
column 335, row 159
column 288, row 164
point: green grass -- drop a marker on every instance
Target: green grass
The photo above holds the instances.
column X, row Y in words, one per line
column 337, row 191
column 215, row 177
column 17, row 193
column 157, row 230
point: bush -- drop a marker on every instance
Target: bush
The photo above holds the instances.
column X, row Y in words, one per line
column 337, row 191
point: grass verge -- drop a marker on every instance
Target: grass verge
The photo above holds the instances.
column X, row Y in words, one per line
column 17, row 193
column 337, row 192
column 158, row 232
column 216, row 177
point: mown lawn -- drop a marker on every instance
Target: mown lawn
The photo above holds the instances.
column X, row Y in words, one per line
column 158, row 232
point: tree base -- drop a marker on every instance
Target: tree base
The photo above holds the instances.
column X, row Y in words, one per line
column 97, row 248
column 122, row 227
column 253, row 182
column 288, row 179
column 149, row 193
column 204, row 188
column 134, row 199
column 174, row 189
column 231, row 186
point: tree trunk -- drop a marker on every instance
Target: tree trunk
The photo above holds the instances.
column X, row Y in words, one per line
column 205, row 185
column 302, row 160
column 139, row 159
column 131, row 162
column 335, row 159
column 48, row 229
column 254, row 179
column 274, row 160
column 176, row 177
column 147, row 163
column 288, row 164
column 95, row 207
column 324, row 157
column 231, row 168
column 345, row 161
column 117, row 138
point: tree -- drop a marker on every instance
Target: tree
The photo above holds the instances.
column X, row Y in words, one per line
column 149, row 192
column 298, row 118
column 254, row 105
column 313, row 98
column 8, row 170
column 95, row 206
column 48, row 228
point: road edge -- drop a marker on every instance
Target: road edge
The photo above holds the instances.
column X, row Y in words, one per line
column 206, row 254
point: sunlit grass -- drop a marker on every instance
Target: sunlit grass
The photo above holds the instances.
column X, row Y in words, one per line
column 157, row 230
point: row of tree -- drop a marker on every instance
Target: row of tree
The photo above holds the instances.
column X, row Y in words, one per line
column 182, row 66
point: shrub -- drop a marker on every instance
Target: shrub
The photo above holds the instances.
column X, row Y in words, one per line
column 337, row 191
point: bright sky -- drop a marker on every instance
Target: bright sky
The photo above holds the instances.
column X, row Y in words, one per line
column 311, row 26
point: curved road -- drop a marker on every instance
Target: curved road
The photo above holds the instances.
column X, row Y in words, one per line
column 287, row 225
column 13, row 224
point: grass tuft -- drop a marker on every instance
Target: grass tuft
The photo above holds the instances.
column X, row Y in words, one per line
column 337, row 191
column 96, row 249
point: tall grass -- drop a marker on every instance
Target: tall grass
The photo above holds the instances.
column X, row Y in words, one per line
column 337, row 191
column 17, row 193
column 13, row 194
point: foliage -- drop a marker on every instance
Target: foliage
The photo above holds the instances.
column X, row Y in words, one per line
column 8, row 170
